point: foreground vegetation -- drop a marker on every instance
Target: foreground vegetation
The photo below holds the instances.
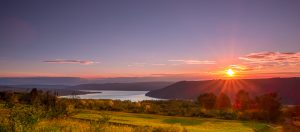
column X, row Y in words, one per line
column 188, row 123
column 39, row 111
column 91, row 120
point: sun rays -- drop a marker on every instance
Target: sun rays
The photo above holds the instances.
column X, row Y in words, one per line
column 229, row 86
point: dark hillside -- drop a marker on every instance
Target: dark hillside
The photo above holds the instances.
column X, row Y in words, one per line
column 287, row 88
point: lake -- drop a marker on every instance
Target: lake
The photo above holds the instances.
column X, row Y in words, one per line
column 133, row 96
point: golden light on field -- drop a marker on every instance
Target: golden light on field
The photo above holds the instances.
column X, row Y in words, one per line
column 230, row 72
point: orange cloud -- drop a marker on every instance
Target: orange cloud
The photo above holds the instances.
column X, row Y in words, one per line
column 241, row 68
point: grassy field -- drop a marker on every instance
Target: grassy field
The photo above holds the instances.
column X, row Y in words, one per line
column 128, row 122
column 190, row 123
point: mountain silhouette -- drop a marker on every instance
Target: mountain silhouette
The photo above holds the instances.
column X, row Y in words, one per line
column 287, row 88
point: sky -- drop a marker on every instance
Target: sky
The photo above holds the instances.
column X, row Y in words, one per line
column 156, row 38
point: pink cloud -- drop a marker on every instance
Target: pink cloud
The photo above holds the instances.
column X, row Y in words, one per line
column 194, row 62
column 272, row 57
column 62, row 61
column 263, row 60
column 158, row 64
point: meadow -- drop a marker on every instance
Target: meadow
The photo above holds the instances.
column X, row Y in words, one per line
column 192, row 124
column 129, row 122
column 39, row 111
column 87, row 120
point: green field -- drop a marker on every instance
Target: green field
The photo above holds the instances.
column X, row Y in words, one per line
column 190, row 123
column 127, row 122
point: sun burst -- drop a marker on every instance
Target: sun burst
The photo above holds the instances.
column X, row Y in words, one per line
column 230, row 72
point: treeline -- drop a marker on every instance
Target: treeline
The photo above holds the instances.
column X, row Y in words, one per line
column 46, row 101
column 266, row 107
column 24, row 110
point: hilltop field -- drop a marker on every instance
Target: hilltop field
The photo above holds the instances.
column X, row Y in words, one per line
column 87, row 120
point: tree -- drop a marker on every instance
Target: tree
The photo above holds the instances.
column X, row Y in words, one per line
column 223, row 102
column 207, row 100
column 10, row 99
column 49, row 101
column 34, row 96
column 270, row 106
column 242, row 100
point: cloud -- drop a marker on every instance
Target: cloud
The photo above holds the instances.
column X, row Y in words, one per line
column 137, row 64
column 264, row 60
column 241, row 68
column 158, row 64
column 141, row 64
column 272, row 57
column 194, row 62
column 63, row 61
column 192, row 76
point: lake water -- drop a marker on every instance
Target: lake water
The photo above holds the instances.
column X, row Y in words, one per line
column 133, row 96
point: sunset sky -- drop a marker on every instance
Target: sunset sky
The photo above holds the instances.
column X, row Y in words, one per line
column 141, row 38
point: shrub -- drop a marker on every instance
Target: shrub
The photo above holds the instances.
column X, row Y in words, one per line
column 242, row 100
column 269, row 106
column 227, row 115
column 207, row 100
column 223, row 102
column 23, row 118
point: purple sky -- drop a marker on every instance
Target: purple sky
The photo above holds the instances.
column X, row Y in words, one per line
column 117, row 38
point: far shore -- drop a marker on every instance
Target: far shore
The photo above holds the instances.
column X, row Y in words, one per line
column 60, row 92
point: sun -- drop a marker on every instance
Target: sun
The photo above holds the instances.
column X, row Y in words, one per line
column 230, row 72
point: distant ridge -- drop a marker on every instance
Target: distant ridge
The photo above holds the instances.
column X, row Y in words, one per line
column 138, row 86
column 41, row 80
column 287, row 88
column 40, row 86
column 68, row 90
column 52, row 89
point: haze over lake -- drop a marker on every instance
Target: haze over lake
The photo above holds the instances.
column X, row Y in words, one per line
column 133, row 96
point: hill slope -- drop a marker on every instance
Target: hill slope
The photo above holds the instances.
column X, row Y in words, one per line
column 287, row 88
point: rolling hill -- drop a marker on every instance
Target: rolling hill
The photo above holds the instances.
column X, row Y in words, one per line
column 287, row 88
